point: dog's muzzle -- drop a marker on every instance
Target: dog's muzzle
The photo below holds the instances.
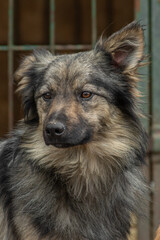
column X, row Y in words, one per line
column 58, row 135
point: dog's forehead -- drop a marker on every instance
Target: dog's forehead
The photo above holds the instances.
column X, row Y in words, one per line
column 70, row 67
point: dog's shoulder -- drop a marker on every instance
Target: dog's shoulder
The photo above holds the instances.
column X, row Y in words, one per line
column 9, row 145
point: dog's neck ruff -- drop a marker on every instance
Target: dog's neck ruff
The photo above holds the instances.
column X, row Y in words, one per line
column 87, row 169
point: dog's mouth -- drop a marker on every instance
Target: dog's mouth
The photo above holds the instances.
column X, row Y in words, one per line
column 62, row 145
column 67, row 144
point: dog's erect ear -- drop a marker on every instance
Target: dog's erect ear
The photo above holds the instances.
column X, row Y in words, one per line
column 29, row 73
column 125, row 46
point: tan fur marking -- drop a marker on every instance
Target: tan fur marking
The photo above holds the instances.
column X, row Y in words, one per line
column 71, row 111
column 158, row 234
column 56, row 107
column 27, row 230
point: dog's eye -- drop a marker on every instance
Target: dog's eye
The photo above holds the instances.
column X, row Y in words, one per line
column 47, row 96
column 86, row 95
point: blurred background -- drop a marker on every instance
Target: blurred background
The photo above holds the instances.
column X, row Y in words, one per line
column 74, row 25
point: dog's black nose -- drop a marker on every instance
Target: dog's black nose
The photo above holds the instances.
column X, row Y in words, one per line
column 55, row 129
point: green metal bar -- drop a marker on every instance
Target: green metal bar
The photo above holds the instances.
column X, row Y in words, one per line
column 155, row 108
column 155, row 75
column 56, row 47
column 142, row 12
column 52, row 26
column 10, row 63
column 155, row 94
column 3, row 47
column 94, row 23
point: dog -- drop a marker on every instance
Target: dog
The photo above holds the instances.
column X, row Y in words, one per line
column 72, row 168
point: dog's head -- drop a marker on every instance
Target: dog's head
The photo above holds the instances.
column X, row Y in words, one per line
column 75, row 98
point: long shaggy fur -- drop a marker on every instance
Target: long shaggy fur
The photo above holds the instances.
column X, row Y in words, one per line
column 86, row 183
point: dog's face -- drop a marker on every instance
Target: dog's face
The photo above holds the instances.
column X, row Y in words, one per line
column 78, row 97
column 70, row 101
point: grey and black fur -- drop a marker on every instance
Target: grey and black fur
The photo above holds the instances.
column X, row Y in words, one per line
column 71, row 170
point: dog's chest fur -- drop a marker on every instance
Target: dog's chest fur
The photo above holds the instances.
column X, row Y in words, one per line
column 46, row 204
column 53, row 208
column 45, row 208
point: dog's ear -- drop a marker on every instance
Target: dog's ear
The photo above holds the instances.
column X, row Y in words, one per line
column 25, row 87
column 125, row 46
column 27, row 76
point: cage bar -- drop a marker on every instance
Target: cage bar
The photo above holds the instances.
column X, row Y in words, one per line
column 52, row 26
column 94, row 23
column 155, row 33
column 143, row 13
column 56, row 47
column 10, row 62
